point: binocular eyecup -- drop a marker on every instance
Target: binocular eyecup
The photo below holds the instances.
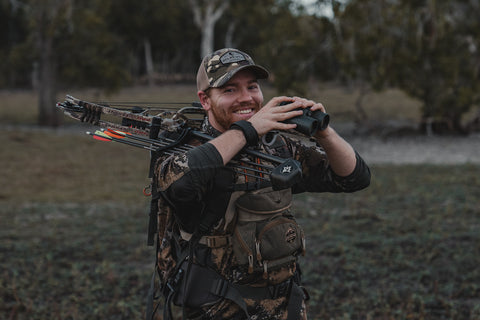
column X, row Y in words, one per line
column 310, row 122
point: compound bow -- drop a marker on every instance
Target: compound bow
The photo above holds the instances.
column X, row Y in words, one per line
column 167, row 132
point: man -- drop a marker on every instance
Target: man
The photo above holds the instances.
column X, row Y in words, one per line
column 229, row 241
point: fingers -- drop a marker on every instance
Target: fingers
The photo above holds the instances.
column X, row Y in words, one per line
column 310, row 104
column 273, row 115
column 293, row 103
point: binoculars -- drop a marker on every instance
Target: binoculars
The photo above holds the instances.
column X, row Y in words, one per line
column 310, row 122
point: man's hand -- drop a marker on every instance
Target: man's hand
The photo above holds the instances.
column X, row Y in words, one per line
column 271, row 115
column 340, row 153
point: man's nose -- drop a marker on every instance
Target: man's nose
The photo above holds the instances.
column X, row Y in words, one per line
column 245, row 95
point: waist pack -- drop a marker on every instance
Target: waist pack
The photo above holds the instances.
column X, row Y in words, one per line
column 266, row 235
column 198, row 286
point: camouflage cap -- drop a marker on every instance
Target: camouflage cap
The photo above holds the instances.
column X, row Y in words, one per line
column 220, row 66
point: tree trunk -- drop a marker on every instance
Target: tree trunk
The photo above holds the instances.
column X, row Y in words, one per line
column 208, row 32
column 148, row 62
column 47, row 16
column 205, row 19
column 361, row 115
column 48, row 113
column 229, row 42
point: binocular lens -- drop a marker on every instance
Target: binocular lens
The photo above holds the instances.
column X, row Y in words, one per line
column 305, row 125
column 322, row 118
column 310, row 121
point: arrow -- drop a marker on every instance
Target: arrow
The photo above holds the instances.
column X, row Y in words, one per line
column 152, row 142
column 118, row 136
column 99, row 135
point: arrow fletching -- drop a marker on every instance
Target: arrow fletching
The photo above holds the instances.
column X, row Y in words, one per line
column 113, row 134
column 98, row 135
column 124, row 134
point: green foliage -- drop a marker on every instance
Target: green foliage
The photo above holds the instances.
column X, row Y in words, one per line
column 92, row 61
column 428, row 49
column 295, row 48
column 14, row 53
column 85, row 51
column 166, row 24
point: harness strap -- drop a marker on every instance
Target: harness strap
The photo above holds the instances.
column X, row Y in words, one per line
column 296, row 296
column 209, row 241
column 202, row 286
column 237, row 293
column 223, row 288
column 150, row 310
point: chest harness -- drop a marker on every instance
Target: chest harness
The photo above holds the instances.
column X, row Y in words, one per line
column 263, row 234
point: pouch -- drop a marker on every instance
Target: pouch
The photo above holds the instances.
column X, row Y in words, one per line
column 266, row 235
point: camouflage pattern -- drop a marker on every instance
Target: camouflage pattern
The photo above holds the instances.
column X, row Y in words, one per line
column 315, row 167
column 219, row 67
column 171, row 168
column 269, row 309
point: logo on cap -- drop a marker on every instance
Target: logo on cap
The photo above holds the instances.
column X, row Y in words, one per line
column 231, row 57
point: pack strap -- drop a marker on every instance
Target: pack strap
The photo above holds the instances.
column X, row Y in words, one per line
column 237, row 293
column 152, row 296
column 150, row 309
column 209, row 241
column 202, row 285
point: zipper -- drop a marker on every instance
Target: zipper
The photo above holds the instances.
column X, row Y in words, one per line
column 246, row 249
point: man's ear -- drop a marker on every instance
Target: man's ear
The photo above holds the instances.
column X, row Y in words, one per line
column 204, row 100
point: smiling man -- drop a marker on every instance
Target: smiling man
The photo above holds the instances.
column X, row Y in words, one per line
column 229, row 241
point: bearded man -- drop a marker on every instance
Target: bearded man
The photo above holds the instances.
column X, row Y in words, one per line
column 229, row 241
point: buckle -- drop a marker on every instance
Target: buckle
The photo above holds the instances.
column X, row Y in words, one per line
column 216, row 241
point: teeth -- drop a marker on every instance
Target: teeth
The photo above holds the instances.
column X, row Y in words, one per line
column 244, row 111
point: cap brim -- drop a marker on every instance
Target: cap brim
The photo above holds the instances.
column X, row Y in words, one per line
column 260, row 73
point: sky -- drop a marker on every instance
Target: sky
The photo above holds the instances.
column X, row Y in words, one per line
column 314, row 8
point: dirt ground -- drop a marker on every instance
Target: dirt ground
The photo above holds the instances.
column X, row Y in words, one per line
column 418, row 149
column 375, row 149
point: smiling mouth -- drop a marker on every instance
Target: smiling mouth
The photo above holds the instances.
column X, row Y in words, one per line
column 244, row 111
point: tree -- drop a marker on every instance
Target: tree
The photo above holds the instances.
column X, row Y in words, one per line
column 293, row 45
column 444, row 69
column 296, row 48
column 160, row 36
column 16, row 69
column 206, row 13
column 46, row 18
column 366, row 43
column 67, row 42
column 426, row 48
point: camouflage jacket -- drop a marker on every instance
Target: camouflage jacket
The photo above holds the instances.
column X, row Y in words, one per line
column 189, row 182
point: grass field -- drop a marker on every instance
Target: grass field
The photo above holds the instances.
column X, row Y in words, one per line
column 74, row 220
column 398, row 250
